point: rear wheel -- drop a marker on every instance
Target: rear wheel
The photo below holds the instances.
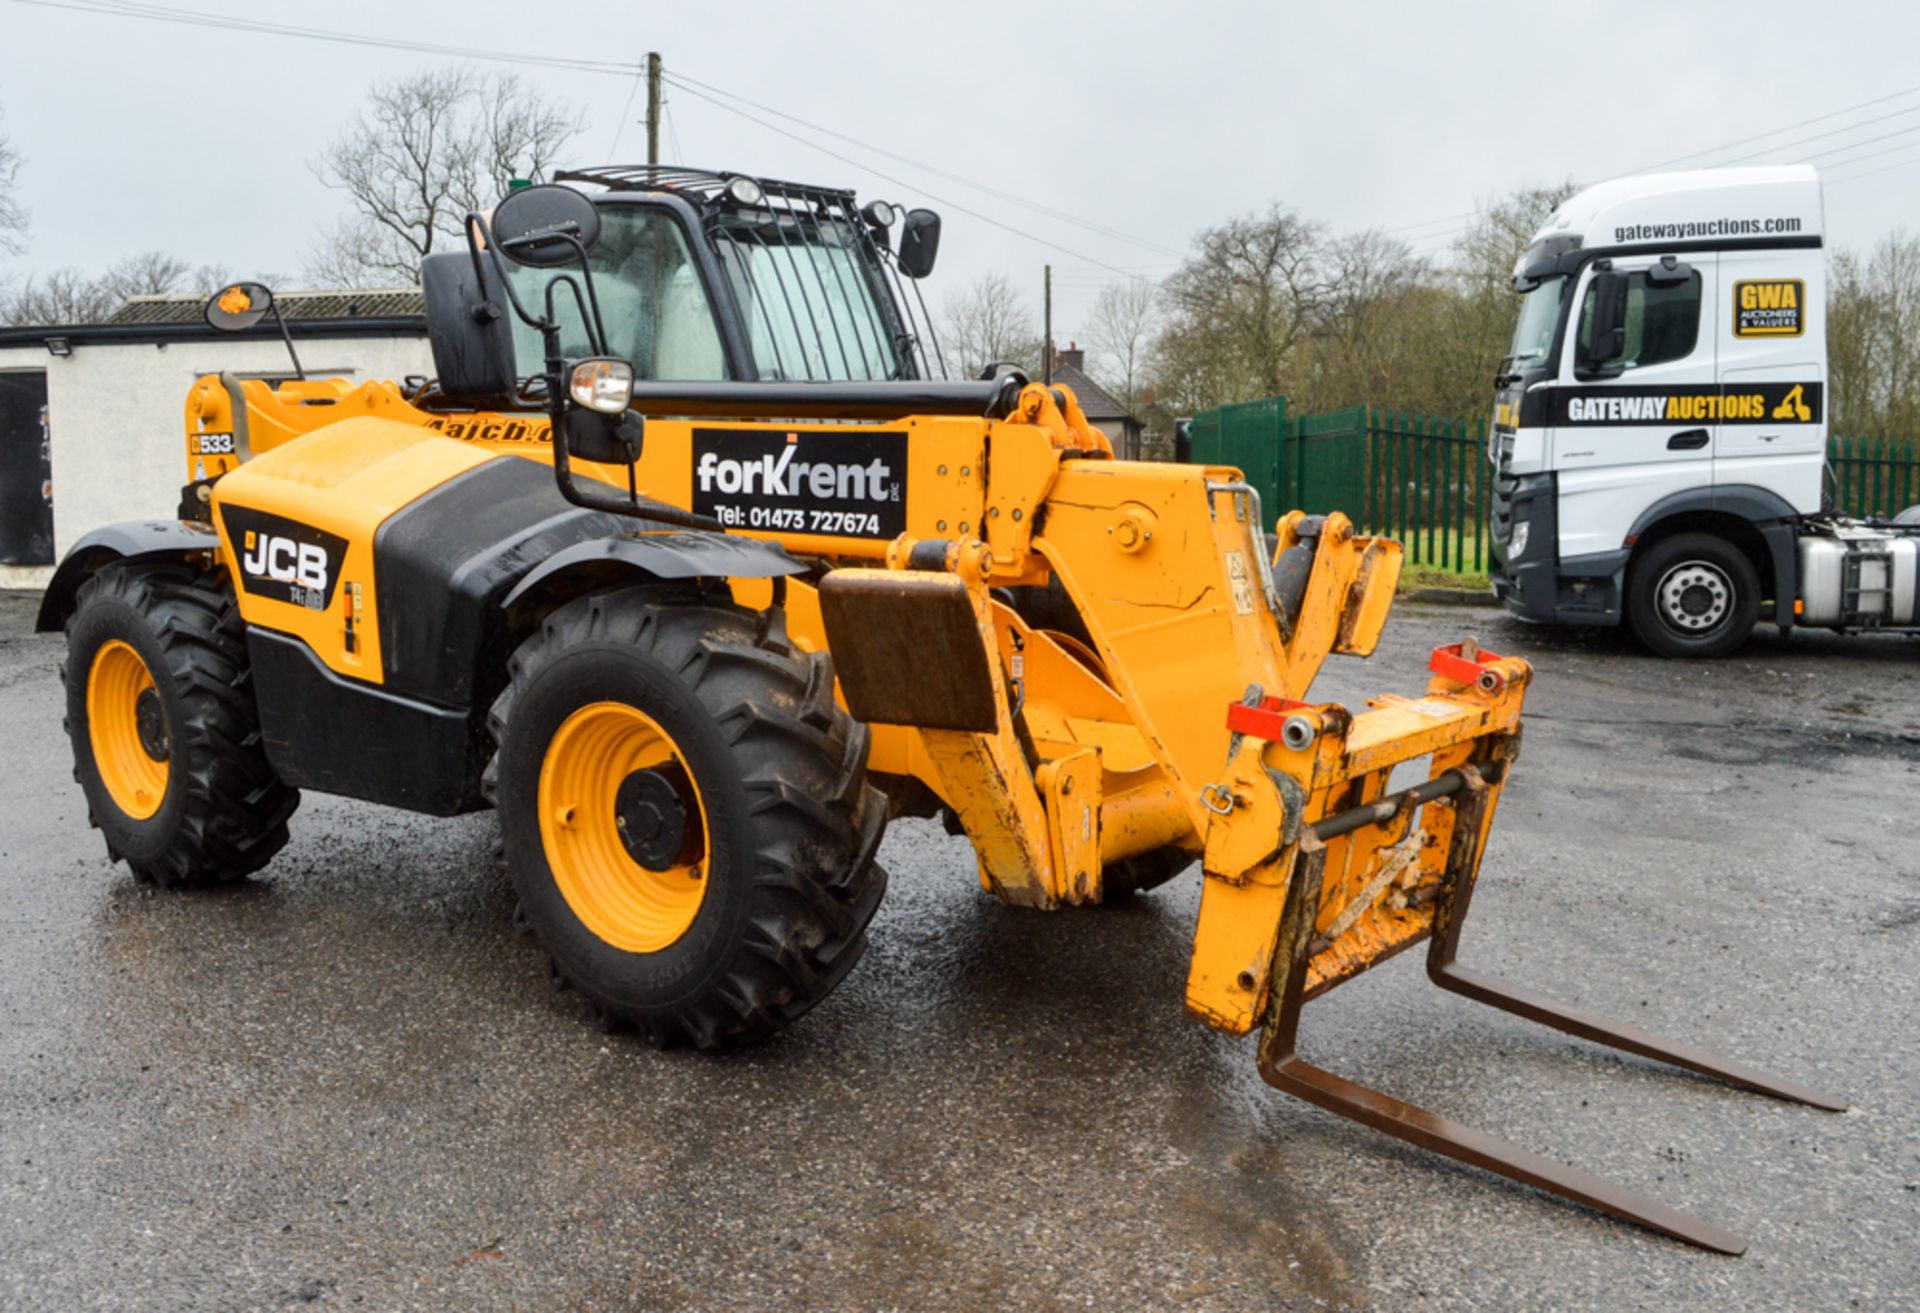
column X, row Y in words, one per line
column 1693, row 595
column 686, row 815
column 166, row 739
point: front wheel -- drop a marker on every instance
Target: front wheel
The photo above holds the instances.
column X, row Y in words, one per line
column 1693, row 595
column 166, row 739
column 686, row 815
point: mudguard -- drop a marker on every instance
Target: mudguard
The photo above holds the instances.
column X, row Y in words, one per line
column 134, row 540
column 681, row 555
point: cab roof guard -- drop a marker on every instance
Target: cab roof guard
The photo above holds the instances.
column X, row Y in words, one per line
column 791, row 293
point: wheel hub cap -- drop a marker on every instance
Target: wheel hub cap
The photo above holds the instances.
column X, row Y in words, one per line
column 623, row 827
column 151, row 722
column 651, row 819
column 127, row 730
column 1695, row 596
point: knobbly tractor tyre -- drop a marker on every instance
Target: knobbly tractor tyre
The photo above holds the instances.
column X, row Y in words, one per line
column 685, row 814
column 1693, row 595
column 166, row 738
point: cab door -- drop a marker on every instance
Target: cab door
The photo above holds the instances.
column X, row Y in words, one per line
column 1642, row 426
column 1773, row 371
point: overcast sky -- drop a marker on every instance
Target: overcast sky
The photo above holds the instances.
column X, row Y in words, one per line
column 1151, row 120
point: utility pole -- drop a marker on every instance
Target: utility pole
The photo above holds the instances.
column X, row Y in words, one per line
column 653, row 107
column 1046, row 367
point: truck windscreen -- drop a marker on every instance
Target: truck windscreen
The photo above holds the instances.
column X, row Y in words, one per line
column 1539, row 316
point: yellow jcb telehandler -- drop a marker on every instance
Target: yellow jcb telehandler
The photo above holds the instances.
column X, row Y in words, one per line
column 692, row 564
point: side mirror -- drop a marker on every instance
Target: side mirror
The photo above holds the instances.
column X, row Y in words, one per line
column 604, row 439
column 1669, row 273
column 532, row 225
column 468, row 329
column 238, row 306
column 1607, row 330
column 919, row 243
column 1183, row 441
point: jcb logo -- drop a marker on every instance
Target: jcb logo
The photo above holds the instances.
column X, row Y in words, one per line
column 1774, row 307
column 284, row 559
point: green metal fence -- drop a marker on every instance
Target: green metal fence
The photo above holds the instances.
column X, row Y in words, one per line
column 1426, row 481
column 1414, row 477
column 1873, row 476
column 1427, row 485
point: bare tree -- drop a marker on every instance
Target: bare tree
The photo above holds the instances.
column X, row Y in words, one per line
column 71, row 296
column 1369, row 331
column 1237, row 309
column 987, row 321
column 64, row 296
column 425, row 151
column 1873, row 339
column 13, row 219
column 1120, row 330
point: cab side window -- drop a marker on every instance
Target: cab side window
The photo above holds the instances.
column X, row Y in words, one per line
column 1663, row 323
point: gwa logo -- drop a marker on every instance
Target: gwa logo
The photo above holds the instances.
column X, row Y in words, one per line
column 284, row 559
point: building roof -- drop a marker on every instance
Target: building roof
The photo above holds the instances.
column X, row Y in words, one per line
column 1095, row 400
column 369, row 303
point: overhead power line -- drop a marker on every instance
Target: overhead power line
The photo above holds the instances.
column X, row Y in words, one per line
column 198, row 18
column 1890, row 150
column 1014, row 198
column 1774, row 132
column 898, row 182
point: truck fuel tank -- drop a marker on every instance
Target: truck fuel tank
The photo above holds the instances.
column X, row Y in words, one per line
column 1858, row 576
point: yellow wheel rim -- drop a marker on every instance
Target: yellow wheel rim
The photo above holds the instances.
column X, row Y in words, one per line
column 128, row 730
column 610, row 771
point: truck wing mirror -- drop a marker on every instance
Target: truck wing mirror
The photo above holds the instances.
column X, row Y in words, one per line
column 1607, row 329
column 1669, row 273
column 919, row 243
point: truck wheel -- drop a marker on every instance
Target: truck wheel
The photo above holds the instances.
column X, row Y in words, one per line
column 1693, row 595
column 686, row 815
column 166, row 739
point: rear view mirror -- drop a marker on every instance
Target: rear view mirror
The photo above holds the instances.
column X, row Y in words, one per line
column 532, row 226
column 468, row 329
column 919, row 243
column 1669, row 273
column 1607, row 330
column 239, row 306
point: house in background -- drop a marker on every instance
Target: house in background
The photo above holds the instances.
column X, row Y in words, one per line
column 1104, row 411
column 91, row 415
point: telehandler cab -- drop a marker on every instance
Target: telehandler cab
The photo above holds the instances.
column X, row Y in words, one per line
column 693, row 565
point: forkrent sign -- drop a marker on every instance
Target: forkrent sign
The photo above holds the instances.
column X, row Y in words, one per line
column 841, row 484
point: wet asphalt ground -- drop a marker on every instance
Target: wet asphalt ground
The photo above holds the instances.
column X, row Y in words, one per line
column 347, row 1084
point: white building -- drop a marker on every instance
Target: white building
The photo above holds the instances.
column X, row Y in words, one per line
column 92, row 416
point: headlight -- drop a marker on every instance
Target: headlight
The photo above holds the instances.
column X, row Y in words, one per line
column 603, row 384
column 1517, row 545
column 879, row 214
column 745, row 191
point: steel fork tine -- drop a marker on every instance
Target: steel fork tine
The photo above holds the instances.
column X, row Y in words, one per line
column 1451, row 914
column 1282, row 1067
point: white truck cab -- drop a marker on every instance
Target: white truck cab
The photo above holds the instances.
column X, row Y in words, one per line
column 1660, row 429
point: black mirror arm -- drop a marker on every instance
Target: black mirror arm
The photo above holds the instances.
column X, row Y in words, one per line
column 287, row 337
